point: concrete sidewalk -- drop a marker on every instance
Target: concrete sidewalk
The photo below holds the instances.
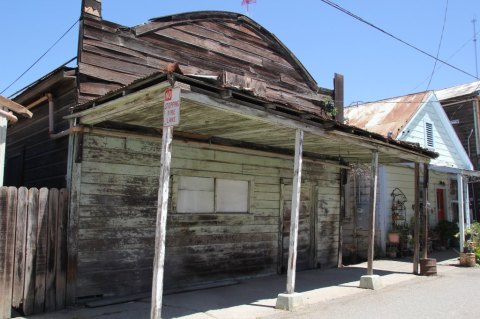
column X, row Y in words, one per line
column 255, row 298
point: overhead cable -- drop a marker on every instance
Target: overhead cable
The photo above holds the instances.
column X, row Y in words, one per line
column 338, row 7
column 439, row 45
column 45, row 53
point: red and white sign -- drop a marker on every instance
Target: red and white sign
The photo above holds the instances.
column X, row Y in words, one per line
column 171, row 107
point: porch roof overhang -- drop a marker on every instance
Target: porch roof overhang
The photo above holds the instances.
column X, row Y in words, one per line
column 216, row 114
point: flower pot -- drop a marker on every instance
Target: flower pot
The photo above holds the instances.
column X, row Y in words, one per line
column 428, row 266
column 394, row 237
column 467, row 259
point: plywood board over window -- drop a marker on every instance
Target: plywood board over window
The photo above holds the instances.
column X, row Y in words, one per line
column 231, row 196
column 195, row 195
column 211, row 195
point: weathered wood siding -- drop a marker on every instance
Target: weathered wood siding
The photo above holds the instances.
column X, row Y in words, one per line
column 119, row 182
column 112, row 56
column 33, row 158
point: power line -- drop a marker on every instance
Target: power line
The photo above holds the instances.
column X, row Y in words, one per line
column 448, row 59
column 45, row 53
column 336, row 6
column 439, row 45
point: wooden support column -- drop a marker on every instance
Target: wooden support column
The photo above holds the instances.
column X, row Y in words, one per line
column 371, row 217
column 162, row 209
column 461, row 218
column 416, row 229
column 297, row 185
column 290, row 300
column 425, row 211
column 3, row 138
column 371, row 281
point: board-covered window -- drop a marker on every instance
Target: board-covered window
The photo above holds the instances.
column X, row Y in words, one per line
column 212, row 195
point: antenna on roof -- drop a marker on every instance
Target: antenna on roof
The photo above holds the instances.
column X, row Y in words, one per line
column 247, row 3
column 474, row 21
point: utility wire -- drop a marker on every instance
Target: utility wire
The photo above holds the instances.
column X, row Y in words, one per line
column 45, row 53
column 439, row 45
column 449, row 58
column 336, row 6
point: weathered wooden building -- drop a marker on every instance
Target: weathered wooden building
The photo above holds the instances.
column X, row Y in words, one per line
column 244, row 96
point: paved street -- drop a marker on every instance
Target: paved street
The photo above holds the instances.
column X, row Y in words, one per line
column 453, row 294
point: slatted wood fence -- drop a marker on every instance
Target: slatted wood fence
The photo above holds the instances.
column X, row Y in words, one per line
column 33, row 250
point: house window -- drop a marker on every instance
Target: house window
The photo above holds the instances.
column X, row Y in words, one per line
column 212, row 195
column 429, row 135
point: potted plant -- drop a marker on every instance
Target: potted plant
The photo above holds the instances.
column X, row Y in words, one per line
column 446, row 231
column 393, row 236
column 467, row 257
column 392, row 251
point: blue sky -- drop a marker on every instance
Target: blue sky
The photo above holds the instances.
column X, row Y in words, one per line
column 325, row 40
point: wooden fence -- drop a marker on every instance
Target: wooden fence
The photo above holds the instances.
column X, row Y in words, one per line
column 33, row 250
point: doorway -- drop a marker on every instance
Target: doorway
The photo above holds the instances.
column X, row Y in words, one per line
column 305, row 246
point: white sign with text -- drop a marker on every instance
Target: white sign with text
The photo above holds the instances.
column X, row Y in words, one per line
column 171, row 107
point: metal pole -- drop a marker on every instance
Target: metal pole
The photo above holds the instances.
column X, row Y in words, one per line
column 461, row 222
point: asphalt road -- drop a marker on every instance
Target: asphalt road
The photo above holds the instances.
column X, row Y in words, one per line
column 454, row 294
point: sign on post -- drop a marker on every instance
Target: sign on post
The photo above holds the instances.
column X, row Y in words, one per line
column 171, row 107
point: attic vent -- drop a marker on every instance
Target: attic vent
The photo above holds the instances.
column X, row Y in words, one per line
column 429, row 134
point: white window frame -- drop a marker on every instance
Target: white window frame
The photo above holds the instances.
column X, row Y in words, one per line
column 176, row 180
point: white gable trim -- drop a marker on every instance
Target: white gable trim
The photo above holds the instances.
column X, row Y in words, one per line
column 446, row 124
column 419, row 110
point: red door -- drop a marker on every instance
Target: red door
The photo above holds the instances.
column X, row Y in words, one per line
column 441, row 204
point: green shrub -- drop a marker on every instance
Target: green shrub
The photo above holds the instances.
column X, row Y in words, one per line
column 446, row 230
column 477, row 254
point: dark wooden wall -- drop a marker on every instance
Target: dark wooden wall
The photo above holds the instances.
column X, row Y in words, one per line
column 112, row 56
column 464, row 112
column 33, row 158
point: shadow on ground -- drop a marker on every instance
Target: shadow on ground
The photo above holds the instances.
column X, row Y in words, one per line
column 259, row 293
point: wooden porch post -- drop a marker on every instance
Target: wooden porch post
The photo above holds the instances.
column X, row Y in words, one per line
column 416, row 230
column 162, row 209
column 371, row 217
column 290, row 299
column 371, row 281
column 425, row 211
column 3, row 137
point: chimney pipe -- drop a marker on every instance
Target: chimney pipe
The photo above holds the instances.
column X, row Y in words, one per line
column 338, row 96
column 92, row 8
